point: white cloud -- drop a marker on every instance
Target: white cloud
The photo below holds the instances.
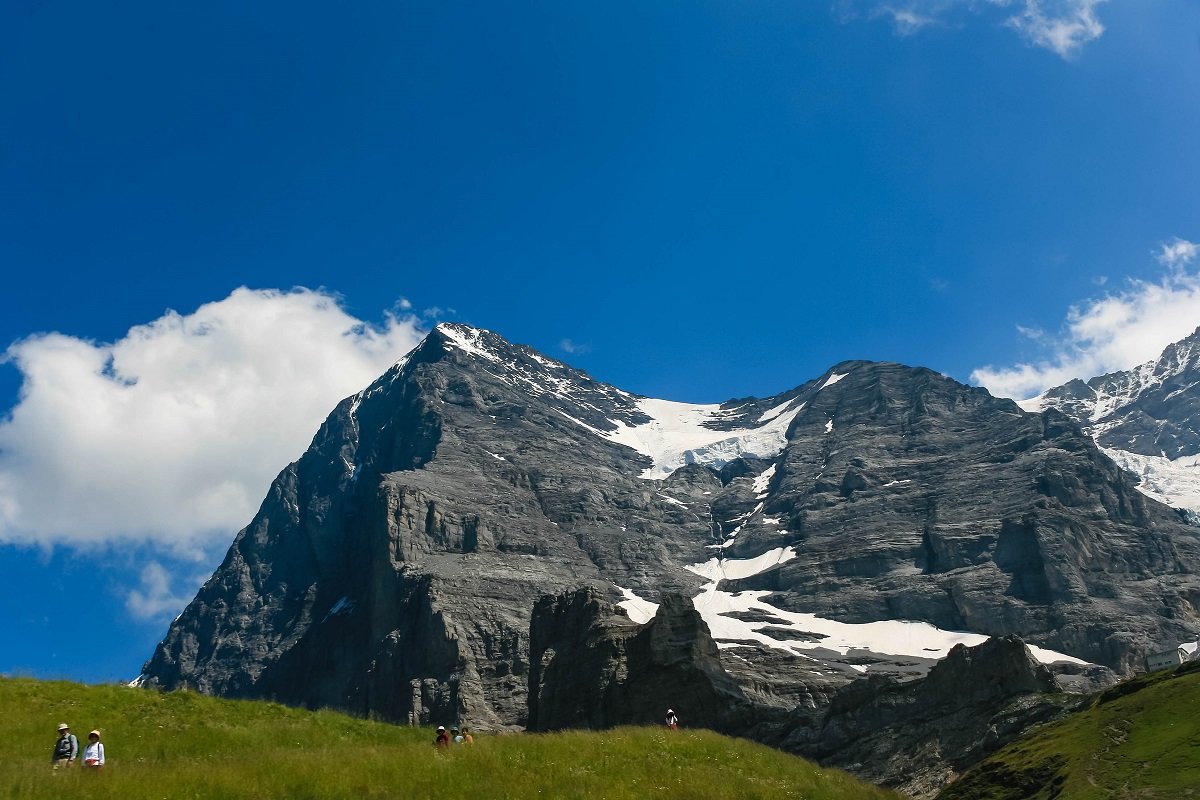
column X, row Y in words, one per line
column 172, row 435
column 155, row 597
column 1062, row 26
column 907, row 21
column 1034, row 333
column 1177, row 253
column 437, row 312
column 1103, row 335
column 574, row 348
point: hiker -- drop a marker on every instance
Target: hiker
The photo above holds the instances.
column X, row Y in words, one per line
column 442, row 741
column 467, row 738
column 672, row 720
column 66, row 747
column 455, row 736
column 93, row 754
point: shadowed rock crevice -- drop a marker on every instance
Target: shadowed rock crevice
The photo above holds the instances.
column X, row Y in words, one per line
column 594, row 668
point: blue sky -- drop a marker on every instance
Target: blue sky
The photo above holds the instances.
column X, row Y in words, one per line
column 693, row 201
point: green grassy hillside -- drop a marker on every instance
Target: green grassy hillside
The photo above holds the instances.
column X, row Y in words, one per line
column 1140, row 739
column 182, row 745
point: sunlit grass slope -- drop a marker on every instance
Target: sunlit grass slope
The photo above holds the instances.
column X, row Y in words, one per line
column 182, row 745
column 1140, row 739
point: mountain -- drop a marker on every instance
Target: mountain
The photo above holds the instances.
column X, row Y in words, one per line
column 1147, row 419
column 864, row 522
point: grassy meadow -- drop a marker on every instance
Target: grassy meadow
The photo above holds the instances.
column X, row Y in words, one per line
column 1140, row 739
column 184, row 745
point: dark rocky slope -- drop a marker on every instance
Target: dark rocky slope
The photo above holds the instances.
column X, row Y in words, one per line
column 917, row 736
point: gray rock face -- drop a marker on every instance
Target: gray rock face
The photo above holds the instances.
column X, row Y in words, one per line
column 909, row 496
column 917, row 736
column 394, row 568
column 594, row 668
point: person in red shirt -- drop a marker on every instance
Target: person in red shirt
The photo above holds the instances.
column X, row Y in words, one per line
column 443, row 739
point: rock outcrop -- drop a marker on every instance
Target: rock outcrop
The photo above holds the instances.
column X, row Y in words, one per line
column 918, row 735
column 592, row 667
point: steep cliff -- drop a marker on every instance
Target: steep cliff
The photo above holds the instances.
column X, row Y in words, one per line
column 594, row 668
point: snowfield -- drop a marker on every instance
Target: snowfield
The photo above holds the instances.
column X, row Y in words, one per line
column 887, row 637
column 676, row 435
column 1176, row 483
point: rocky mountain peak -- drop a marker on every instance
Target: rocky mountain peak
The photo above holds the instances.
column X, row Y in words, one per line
column 1152, row 409
column 1147, row 419
column 865, row 521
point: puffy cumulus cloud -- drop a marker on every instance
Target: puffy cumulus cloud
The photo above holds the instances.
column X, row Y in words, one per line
column 1062, row 26
column 172, row 435
column 1103, row 335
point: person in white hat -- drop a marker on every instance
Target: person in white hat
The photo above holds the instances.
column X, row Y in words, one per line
column 66, row 747
column 443, row 739
column 672, row 720
column 93, row 754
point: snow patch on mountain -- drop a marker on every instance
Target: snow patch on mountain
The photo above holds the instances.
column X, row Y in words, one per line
column 469, row 340
column 832, row 379
column 763, row 481
column 890, row 637
column 772, row 413
column 639, row 610
column 684, row 433
column 1176, row 483
column 719, row 569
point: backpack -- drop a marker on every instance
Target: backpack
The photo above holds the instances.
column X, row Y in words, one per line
column 64, row 746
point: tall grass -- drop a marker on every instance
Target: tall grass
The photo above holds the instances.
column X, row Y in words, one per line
column 181, row 745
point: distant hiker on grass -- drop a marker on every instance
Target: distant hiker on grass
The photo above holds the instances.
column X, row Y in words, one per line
column 672, row 720
column 442, row 742
column 93, row 754
column 66, row 747
column 466, row 737
column 455, row 736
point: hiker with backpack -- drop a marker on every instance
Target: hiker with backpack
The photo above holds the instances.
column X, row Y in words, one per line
column 672, row 720
column 66, row 747
column 93, row 754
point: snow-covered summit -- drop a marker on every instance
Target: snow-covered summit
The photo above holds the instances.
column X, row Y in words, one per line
column 1146, row 418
